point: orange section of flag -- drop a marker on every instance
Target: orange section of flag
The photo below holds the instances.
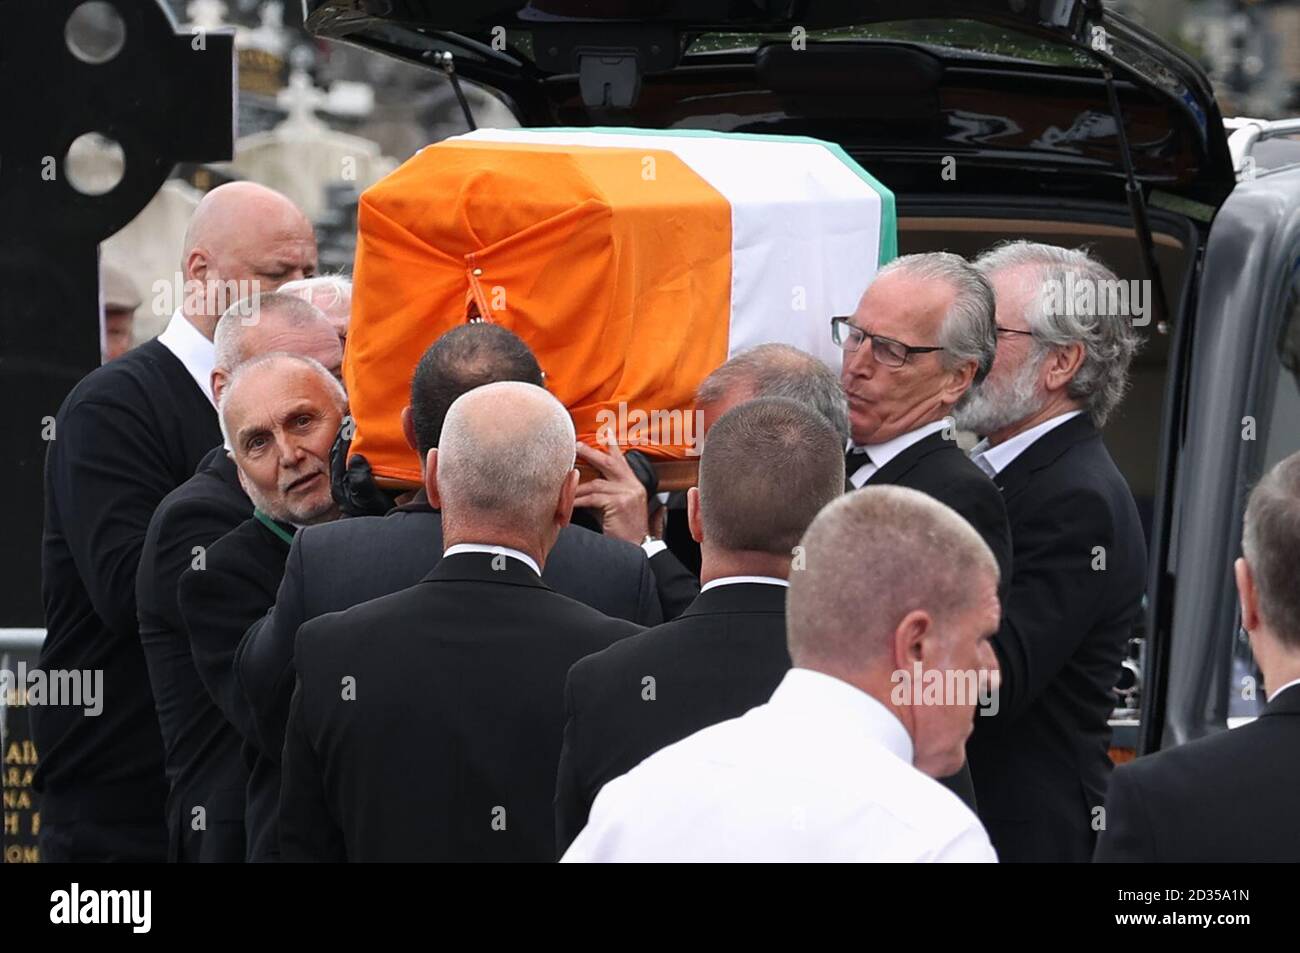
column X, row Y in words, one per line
column 613, row 265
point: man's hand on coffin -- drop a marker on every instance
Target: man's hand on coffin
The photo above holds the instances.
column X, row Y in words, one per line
column 619, row 494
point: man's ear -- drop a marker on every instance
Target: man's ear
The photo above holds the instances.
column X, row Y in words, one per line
column 218, row 384
column 1248, row 594
column 564, row 505
column 909, row 636
column 243, row 480
column 408, row 429
column 196, row 265
column 959, row 381
column 694, row 521
column 1061, row 366
column 431, row 478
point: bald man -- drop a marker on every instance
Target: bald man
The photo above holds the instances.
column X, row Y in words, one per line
column 889, row 621
column 127, row 434
column 426, row 725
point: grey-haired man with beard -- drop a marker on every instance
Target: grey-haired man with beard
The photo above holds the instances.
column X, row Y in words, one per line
column 1041, row 763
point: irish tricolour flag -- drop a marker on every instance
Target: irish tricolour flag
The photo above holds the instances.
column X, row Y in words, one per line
column 632, row 262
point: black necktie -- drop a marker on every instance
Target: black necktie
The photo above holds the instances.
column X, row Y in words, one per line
column 855, row 458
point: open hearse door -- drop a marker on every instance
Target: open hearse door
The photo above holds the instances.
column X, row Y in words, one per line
column 1055, row 121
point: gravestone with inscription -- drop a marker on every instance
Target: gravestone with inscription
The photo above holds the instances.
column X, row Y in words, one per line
column 22, row 815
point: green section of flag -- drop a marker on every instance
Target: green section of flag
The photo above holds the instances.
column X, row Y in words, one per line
column 888, row 212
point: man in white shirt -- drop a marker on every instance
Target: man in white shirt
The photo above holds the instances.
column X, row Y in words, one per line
column 921, row 337
column 892, row 593
column 726, row 653
column 1041, row 763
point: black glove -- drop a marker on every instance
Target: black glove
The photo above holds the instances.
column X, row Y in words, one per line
column 351, row 483
column 647, row 474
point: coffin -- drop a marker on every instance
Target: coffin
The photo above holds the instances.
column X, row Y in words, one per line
column 632, row 262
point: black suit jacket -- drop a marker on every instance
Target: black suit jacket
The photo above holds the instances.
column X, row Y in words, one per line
column 448, row 746
column 939, row 468
column 338, row 565
column 1042, row 762
column 219, row 603
column 203, row 762
column 1228, row 798
column 678, row 586
column 721, row 657
column 127, row 434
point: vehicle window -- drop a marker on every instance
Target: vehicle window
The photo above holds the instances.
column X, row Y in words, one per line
column 968, row 36
column 1279, row 438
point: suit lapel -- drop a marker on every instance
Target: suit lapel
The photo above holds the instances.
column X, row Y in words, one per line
column 897, row 468
column 1043, row 452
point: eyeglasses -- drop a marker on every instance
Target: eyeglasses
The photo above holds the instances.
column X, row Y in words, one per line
column 1001, row 330
column 887, row 351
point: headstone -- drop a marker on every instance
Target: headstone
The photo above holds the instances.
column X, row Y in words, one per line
column 302, row 156
column 149, row 249
column 21, row 813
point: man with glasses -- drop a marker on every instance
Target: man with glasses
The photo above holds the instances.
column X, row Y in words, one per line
column 1041, row 763
column 921, row 336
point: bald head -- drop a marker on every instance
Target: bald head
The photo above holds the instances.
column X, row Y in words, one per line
column 503, row 469
column 243, row 238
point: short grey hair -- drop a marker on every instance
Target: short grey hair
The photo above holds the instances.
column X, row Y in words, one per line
column 1108, row 339
column 749, row 505
column 779, row 370
column 1270, row 541
column 234, row 324
column 968, row 331
column 871, row 557
column 504, row 452
column 331, row 382
column 327, row 292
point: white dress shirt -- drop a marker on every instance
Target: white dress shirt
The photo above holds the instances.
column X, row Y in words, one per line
column 882, row 453
column 822, row 772
column 993, row 460
column 1290, row 684
column 736, row 580
column 192, row 349
column 523, row 557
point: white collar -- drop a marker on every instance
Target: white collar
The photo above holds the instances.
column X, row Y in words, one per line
column 838, row 704
column 737, row 580
column 882, row 453
column 524, row 558
column 1290, row 684
column 1000, row 457
column 192, row 349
